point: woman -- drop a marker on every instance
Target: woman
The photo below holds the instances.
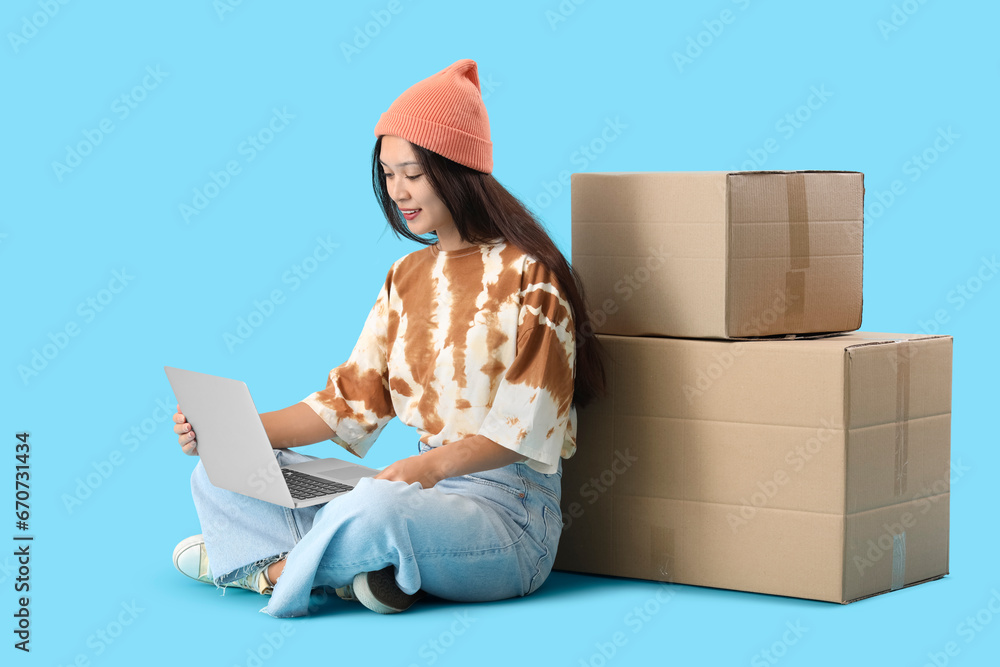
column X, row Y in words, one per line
column 472, row 341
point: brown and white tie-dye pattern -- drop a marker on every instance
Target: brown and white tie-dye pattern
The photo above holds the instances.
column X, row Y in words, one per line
column 473, row 341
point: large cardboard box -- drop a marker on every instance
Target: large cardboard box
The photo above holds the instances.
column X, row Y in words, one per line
column 813, row 468
column 720, row 254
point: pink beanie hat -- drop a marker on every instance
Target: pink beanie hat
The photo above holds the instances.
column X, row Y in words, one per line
column 444, row 113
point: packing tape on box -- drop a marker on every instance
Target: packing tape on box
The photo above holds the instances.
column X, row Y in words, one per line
column 898, row 560
column 798, row 221
column 798, row 249
column 901, row 446
column 661, row 551
column 795, row 299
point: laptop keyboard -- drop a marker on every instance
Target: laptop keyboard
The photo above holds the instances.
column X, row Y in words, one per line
column 303, row 486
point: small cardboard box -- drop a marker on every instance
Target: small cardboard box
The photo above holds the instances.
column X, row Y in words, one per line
column 720, row 254
column 812, row 468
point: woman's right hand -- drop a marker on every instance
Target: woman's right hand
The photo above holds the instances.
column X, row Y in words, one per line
column 185, row 434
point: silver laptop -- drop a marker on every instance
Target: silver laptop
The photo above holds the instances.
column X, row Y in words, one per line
column 236, row 453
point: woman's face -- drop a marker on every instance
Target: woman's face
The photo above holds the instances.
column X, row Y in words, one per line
column 410, row 188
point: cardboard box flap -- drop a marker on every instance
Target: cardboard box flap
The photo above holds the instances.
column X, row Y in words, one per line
column 874, row 359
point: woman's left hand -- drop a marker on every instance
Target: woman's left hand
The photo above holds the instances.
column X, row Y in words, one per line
column 471, row 454
column 412, row 469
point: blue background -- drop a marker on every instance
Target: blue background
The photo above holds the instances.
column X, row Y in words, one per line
column 553, row 75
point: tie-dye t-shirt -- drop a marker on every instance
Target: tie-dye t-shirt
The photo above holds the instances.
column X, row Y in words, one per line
column 464, row 342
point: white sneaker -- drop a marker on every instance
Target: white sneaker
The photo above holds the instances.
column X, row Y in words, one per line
column 191, row 560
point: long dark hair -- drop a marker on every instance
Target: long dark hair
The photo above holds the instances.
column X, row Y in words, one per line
column 485, row 211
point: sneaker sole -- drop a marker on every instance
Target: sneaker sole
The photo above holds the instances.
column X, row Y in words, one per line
column 183, row 546
column 395, row 599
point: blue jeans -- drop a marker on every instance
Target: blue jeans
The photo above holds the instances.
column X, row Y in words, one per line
column 486, row 536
